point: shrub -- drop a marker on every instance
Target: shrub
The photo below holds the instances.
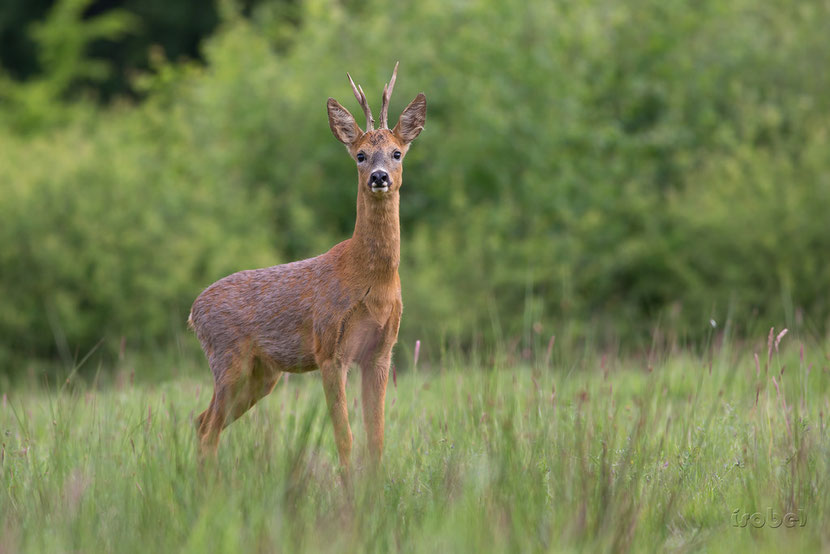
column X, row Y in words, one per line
column 583, row 164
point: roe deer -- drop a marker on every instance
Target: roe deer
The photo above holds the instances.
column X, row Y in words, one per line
column 328, row 312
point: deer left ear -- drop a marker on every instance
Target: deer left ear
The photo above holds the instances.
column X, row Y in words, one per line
column 411, row 122
column 343, row 126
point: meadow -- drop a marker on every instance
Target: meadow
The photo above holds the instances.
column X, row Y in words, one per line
column 676, row 449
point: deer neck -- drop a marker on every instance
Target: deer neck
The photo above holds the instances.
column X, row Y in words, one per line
column 376, row 243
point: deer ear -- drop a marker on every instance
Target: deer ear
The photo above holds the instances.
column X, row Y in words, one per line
column 412, row 119
column 343, row 126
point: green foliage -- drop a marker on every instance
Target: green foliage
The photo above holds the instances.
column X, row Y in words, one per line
column 117, row 38
column 590, row 166
column 605, row 458
column 63, row 39
column 103, row 238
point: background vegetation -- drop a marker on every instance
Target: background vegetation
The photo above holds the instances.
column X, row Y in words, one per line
column 589, row 169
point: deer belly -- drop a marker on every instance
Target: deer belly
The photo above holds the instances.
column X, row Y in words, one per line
column 287, row 343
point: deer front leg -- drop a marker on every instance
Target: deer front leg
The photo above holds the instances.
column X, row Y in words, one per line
column 374, row 378
column 334, row 384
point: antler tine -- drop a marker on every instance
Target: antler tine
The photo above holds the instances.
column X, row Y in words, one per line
column 361, row 99
column 387, row 94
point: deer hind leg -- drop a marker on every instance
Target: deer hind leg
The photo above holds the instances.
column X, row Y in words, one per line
column 239, row 385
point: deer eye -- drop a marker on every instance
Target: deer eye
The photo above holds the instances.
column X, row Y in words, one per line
column 361, row 157
column 396, row 154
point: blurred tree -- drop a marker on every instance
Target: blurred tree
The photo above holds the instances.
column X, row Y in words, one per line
column 62, row 40
column 178, row 28
column 18, row 52
column 587, row 168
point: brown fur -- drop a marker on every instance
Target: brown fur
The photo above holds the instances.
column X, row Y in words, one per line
column 327, row 312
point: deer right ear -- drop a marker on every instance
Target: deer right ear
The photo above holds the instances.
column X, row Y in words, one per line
column 343, row 126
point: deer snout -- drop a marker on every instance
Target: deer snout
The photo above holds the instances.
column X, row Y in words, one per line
column 379, row 180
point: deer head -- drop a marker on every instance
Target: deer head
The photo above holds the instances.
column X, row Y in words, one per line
column 379, row 153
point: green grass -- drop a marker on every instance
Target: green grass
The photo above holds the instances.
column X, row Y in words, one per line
column 592, row 454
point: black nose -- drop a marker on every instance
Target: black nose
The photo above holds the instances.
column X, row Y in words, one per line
column 379, row 177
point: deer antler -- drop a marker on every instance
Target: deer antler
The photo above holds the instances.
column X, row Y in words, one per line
column 361, row 98
column 387, row 94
